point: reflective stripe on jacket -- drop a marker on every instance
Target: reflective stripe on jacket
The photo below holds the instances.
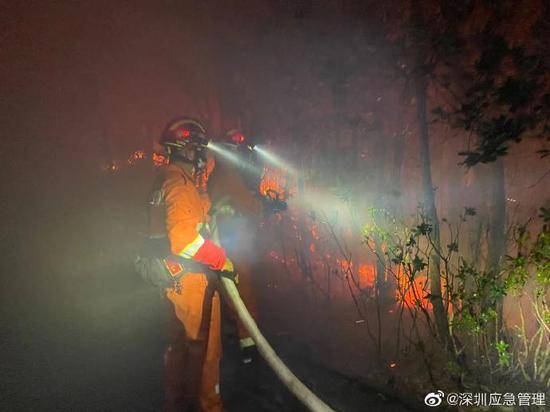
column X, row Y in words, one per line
column 186, row 211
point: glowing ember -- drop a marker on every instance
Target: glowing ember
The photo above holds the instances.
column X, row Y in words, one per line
column 159, row 159
column 112, row 167
column 274, row 255
column 315, row 232
column 137, row 155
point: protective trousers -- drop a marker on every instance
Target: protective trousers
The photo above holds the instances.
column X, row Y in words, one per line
column 192, row 368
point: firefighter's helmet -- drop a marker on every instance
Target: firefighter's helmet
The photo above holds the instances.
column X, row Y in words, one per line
column 237, row 139
column 235, row 136
column 183, row 131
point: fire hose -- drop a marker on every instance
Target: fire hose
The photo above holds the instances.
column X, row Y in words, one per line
column 293, row 384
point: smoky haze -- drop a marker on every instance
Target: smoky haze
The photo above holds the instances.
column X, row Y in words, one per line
column 86, row 84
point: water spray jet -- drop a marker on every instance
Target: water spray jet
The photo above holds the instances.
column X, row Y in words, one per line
column 227, row 152
column 275, row 160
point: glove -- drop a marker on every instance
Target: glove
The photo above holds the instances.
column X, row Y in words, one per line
column 228, row 271
column 228, row 266
column 249, row 351
column 211, row 255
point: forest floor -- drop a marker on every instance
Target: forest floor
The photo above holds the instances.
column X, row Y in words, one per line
column 98, row 344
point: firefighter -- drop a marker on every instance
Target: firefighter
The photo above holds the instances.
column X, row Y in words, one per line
column 233, row 186
column 192, row 365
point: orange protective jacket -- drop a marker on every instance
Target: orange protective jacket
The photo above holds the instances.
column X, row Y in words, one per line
column 184, row 212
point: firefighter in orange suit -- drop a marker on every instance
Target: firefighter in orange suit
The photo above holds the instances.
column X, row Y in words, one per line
column 192, row 368
column 227, row 187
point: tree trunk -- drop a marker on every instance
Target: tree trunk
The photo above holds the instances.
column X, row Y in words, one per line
column 496, row 242
column 381, row 201
column 497, row 216
column 428, row 200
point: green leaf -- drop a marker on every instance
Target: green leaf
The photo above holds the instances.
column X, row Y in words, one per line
column 424, row 229
column 418, row 264
column 453, row 246
column 544, row 214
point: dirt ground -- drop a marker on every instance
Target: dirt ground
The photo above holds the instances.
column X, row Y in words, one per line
column 99, row 347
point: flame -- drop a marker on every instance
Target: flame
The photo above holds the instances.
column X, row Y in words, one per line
column 367, row 275
column 134, row 157
column 315, row 232
column 412, row 293
column 159, row 159
column 273, row 180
